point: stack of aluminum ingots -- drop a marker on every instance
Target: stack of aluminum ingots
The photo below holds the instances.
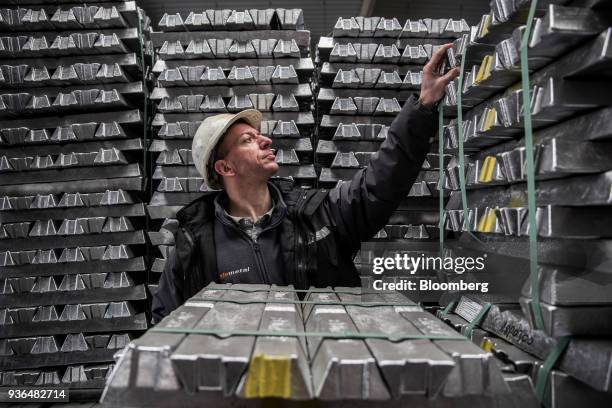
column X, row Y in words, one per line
column 368, row 69
column 241, row 345
column 570, row 59
column 215, row 61
column 582, row 376
column 71, row 211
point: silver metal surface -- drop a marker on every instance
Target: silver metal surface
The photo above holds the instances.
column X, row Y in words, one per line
column 206, row 367
column 586, row 358
column 563, row 391
column 71, row 184
column 332, row 359
column 587, row 320
column 571, row 287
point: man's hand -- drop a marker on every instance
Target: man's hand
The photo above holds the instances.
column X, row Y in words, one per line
column 433, row 85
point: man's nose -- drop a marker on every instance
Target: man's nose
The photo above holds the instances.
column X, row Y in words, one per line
column 264, row 141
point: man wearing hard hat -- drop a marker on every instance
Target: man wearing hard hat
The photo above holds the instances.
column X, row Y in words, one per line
column 258, row 229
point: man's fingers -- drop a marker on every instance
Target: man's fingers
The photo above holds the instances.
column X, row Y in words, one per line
column 437, row 57
column 450, row 75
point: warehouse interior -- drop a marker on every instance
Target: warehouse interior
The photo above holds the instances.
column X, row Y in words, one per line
column 100, row 103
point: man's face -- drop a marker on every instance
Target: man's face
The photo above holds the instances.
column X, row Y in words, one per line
column 245, row 153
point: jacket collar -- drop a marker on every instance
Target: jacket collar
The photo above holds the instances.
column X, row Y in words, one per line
column 202, row 210
column 276, row 213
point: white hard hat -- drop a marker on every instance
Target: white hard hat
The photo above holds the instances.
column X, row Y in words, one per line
column 208, row 136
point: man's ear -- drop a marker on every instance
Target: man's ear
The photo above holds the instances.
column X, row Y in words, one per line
column 224, row 168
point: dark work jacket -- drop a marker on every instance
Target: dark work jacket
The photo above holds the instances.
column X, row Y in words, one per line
column 240, row 259
column 321, row 230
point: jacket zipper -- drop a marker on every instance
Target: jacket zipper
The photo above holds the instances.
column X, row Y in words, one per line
column 260, row 262
column 257, row 251
column 299, row 251
column 255, row 247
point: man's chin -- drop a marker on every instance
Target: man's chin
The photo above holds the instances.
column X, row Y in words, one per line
column 260, row 173
column 273, row 169
column 268, row 170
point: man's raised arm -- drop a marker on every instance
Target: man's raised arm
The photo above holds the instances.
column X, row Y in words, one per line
column 361, row 207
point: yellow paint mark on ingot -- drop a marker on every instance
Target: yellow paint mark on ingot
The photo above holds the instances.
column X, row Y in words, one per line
column 485, row 26
column 268, row 376
column 490, row 118
column 486, row 345
column 487, row 221
column 486, row 172
column 487, row 68
column 484, row 71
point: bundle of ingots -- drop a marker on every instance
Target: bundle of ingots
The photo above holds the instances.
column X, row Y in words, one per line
column 533, row 145
column 243, row 345
column 72, row 190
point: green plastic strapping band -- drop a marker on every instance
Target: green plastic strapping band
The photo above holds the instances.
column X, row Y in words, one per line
column 460, row 142
column 470, row 327
column 449, row 308
column 327, row 335
column 441, row 180
column 548, row 365
column 460, row 136
column 292, row 290
column 531, row 200
column 299, row 302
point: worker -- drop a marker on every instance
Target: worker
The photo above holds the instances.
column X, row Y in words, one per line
column 256, row 229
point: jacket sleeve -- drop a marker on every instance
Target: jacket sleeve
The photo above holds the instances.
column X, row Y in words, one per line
column 360, row 208
column 169, row 293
